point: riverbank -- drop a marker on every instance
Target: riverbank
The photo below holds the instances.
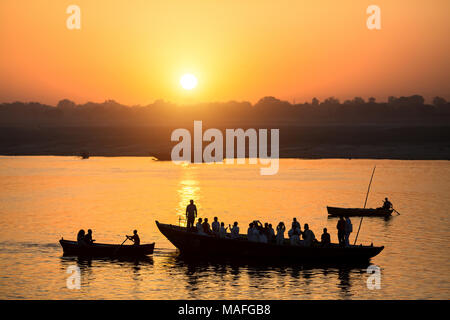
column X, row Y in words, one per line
column 308, row 142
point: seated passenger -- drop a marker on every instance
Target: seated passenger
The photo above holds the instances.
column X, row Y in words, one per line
column 294, row 237
column 234, row 231
column 308, row 236
column 271, row 236
column 253, row 232
column 325, row 238
column 222, row 230
column 88, row 238
column 215, row 226
column 280, row 233
column 199, row 226
column 80, row 237
column 262, row 236
column 266, row 230
column 257, row 229
column 206, row 227
column 295, row 230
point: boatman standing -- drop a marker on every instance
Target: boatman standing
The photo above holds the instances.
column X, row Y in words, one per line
column 191, row 214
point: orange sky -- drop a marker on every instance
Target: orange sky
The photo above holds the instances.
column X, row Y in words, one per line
column 135, row 51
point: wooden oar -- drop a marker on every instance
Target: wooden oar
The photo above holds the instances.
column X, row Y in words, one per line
column 115, row 252
column 396, row 211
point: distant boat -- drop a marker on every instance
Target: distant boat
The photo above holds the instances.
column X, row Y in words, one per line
column 358, row 212
column 84, row 155
column 209, row 246
column 71, row 248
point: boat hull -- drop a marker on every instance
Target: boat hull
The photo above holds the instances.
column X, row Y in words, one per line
column 194, row 244
column 71, row 248
column 358, row 212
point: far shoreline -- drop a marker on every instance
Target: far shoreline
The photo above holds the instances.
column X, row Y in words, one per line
column 153, row 158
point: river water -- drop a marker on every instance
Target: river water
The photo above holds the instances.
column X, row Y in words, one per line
column 45, row 198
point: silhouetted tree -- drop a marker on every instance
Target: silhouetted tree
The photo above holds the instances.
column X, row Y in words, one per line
column 358, row 100
column 330, row 101
column 66, row 104
column 438, row 101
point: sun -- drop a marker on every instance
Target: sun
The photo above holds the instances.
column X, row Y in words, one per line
column 188, row 81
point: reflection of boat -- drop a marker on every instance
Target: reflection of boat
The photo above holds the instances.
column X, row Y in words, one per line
column 194, row 244
column 71, row 248
column 358, row 212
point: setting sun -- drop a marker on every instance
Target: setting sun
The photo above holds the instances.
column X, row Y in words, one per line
column 188, row 81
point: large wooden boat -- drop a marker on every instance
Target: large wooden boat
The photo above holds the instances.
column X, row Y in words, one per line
column 71, row 248
column 191, row 243
column 358, row 212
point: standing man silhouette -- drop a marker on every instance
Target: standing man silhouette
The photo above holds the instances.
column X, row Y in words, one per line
column 191, row 214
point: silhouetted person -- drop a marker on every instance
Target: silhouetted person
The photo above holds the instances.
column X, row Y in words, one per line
column 258, row 229
column 387, row 204
column 252, row 232
column 348, row 230
column 88, row 237
column 295, row 224
column 191, row 214
column 206, row 227
column 271, row 234
column 215, row 226
column 294, row 236
column 296, row 230
column 135, row 238
column 266, row 230
column 222, row 230
column 199, row 226
column 234, row 230
column 80, row 237
column 325, row 239
column 262, row 237
column 341, row 230
column 308, row 236
column 281, row 228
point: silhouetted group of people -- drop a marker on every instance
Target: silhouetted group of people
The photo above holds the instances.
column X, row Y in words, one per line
column 216, row 228
column 264, row 233
column 344, row 227
column 85, row 239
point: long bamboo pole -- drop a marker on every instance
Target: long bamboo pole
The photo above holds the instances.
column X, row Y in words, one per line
column 365, row 202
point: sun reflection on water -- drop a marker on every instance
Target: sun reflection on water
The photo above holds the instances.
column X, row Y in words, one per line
column 188, row 189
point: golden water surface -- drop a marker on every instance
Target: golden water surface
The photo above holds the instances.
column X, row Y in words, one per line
column 45, row 198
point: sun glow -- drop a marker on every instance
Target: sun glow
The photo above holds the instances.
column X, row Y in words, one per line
column 188, row 81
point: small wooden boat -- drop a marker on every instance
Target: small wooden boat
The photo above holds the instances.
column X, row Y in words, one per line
column 84, row 155
column 191, row 243
column 358, row 212
column 71, row 248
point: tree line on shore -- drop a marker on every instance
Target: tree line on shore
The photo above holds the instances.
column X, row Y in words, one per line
column 268, row 109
